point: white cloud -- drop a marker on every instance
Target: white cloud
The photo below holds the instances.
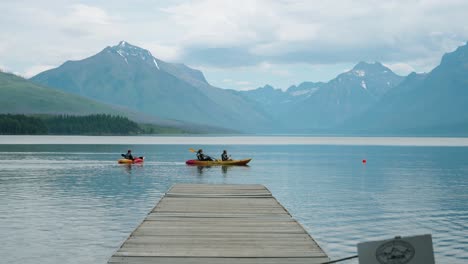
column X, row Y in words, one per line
column 86, row 14
column 320, row 32
column 217, row 23
column 3, row 46
column 282, row 72
column 401, row 68
column 243, row 83
column 88, row 21
column 236, row 35
column 265, row 66
column 276, row 69
column 164, row 52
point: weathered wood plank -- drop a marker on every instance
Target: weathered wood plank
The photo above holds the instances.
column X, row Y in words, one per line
column 214, row 215
column 203, row 223
column 297, row 239
column 224, row 189
column 183, row 260
column 218, row 253
column 186, row 217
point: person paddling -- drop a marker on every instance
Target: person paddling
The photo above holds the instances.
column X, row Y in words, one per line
column 224, row 156
column 201, row 156
column 128, row 155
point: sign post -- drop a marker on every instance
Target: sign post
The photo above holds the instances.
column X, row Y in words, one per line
column 400, row 250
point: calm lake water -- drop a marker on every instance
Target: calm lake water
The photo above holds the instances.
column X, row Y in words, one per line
column 68, row 201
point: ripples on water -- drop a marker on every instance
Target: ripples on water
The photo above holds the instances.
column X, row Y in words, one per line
column 74, row 204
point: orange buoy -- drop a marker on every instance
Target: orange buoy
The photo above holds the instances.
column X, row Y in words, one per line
column 364, row 161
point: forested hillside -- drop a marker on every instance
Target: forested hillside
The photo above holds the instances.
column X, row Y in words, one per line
column 99, row 124
column 21, row 125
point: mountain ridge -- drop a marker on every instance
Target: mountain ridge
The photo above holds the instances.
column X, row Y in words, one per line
column 363, row 97
column 130, row 76
column 435, row 100
column 320, row 106
column 21, row 96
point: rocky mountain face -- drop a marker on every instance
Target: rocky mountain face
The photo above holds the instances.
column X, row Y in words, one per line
column 129, row 76
column 369, row 98
column 433, row 103
column 316, row 107
column 304, row 90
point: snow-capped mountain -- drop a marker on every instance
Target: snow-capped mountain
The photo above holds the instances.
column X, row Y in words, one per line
column 433, row 103
column 305, row 89
column 372, row 77
column 129, row 76
column 316, row 106
column 368, row 98
column 130, row 52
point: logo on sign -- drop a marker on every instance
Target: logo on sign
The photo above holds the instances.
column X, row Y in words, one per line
column 395, row 252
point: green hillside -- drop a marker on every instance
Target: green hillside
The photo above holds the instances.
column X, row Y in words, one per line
column 130, row 76
column 21, row 96
column 98, row 124
column 18, row 95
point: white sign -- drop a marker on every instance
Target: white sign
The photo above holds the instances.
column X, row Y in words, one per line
column 400, row 250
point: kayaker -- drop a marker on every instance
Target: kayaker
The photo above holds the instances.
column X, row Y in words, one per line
column 128, row 155
column 225, row 156
column 203, row 157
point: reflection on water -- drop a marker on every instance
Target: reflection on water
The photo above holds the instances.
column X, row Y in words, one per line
column 201, row 168
column 75, row 204
column 223, row 168
column 129, row 167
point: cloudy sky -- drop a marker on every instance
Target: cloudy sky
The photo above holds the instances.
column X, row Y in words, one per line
column 237, row 44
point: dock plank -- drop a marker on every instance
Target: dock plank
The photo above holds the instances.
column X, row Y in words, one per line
column 204, row 223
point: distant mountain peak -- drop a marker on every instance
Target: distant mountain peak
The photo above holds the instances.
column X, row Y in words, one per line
column 267, row 87
column 363, row 68
column 125, row 50
column 366, row 65
column 126, row 46
column 132, row 54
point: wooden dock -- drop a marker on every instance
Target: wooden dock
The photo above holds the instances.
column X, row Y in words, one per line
column 207, row 224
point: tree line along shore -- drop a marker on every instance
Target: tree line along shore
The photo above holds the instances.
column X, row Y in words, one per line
column 95, row 124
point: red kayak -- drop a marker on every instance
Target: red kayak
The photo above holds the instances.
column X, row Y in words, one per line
column 217, row 162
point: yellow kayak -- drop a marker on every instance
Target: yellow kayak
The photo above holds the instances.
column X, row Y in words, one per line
column 218, row 162
column 129, row 161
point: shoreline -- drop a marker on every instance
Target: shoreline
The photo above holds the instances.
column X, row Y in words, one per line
column 235, row 140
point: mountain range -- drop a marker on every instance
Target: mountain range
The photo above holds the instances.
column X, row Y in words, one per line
column 371, row 99
column 21, row 96
column 368, row 99
column 316, row 107
column 433, row 103
column 130, row 76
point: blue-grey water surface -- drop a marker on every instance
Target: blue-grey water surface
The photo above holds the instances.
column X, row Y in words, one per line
column 74, row 204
